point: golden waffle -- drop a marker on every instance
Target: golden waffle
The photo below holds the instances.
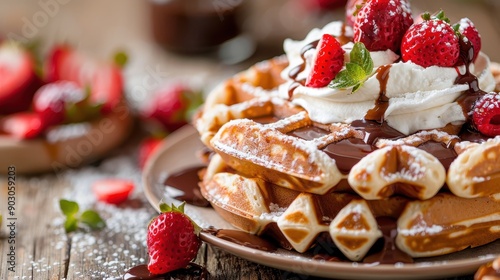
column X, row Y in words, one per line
column 257, row 206
column 272, row 155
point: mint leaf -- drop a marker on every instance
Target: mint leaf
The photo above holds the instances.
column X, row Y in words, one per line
column 361, row 56
column 92, row 219
column 68, row 208
column 356, row 71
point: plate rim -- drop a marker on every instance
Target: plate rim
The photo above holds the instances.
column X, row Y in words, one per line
column 350, row 270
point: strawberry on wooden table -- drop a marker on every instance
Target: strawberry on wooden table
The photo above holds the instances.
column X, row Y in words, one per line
column 486, row 114
column 431, row 42
column 112, row 191
column 173, row 240
column 327, row 4
column 18, row 80
column 380, row 24
column 327, row 62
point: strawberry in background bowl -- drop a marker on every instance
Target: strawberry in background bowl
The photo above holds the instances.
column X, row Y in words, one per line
column 71, row 114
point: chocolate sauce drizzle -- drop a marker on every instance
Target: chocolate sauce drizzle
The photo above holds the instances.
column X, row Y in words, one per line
column 377, row 113
column 186, row 182
column 141, row 272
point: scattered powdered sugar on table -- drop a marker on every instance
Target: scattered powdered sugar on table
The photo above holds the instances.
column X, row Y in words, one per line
column 109, row 252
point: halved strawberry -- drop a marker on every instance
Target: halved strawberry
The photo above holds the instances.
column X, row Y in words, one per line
column 18, row 81
column 113, row 191
column 431, row 42
column 327, row 62
column 103, row 79
column 22, row 125
column 466, row 27
column 53, row 102
column 486, row 114
column 380, row 24
column 172, row 240
column 146, row 148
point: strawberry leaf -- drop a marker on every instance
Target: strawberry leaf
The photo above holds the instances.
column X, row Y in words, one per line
column 356, row 71
column 92, row 219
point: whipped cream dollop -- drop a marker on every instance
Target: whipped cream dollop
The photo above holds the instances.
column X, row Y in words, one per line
column 419, row 98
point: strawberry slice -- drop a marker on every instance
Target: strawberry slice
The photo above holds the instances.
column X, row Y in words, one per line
column 52, row 101
column 327, row 62
column 103, row 79
column 112, row 191
column 486, row 114
column 23, row 125
column 18, row 80
column 146, row 148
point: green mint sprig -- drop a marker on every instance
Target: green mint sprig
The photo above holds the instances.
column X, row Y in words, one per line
column 71, row 210
column 356, row 71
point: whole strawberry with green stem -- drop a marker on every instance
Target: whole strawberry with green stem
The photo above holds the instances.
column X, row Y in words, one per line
column 432, row 42
column 173, row 240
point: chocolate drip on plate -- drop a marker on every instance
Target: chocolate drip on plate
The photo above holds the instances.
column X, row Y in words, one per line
column 185, row 183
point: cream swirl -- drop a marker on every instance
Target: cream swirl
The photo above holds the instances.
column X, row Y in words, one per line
column 419, row 98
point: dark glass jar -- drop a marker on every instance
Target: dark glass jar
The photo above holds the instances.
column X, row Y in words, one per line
column 191, row 26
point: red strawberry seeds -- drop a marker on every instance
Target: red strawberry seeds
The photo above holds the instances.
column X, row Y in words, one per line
column 327, row 62
column 431, row 42
column 380, row 24
column 172, row 240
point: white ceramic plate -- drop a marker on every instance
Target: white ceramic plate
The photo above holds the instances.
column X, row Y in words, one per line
column 178, row 152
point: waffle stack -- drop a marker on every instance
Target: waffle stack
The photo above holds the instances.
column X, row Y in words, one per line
column 277, row 172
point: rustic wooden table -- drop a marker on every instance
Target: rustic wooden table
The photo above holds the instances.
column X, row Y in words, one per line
column 42, row 250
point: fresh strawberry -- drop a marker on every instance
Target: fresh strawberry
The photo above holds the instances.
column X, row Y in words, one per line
column 486, row 114
column 103, row 79
column 18, row 81
column 171, row 106
column 146, row 148
column 351, row 11
column 172, row 240
column 431, row 42
column 55, row 101
column 113, row 191
column 467, row 29
column 380, row 24
column 22, row 125
column 327, row 62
